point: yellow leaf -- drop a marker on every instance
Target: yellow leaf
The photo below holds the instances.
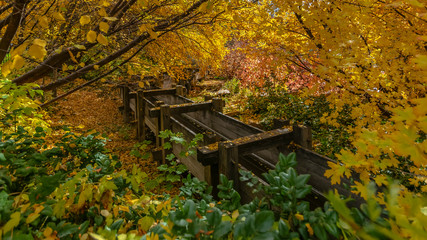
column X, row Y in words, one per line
column 124, row 208
column 103, row 26
column 152, row 33
column 18, row 62
column 91, row 36
column 58, row 16
column 141, row 84
column 32, row 217
column 84, row 20
column 5, row 68
column 105, row 3
column 43, row 21
column 105, row 213
column 309, row 229
column 102, row 12
column 47, row 232
column 19, row 50
column 96, row 67
column 82, row 64
column 39, row 42
column 96, row 236
column 103, row 80
column 13, row 222
column 111, row 18
column 102, row 39
column 64, row 67
column 37, row 51
column 146, row 222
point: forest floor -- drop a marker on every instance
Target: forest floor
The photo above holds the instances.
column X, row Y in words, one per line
column 97, row 109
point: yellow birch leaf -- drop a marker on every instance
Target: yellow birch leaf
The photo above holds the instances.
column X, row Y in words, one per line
column 102, row 12
column 58, row 16
column 39, row 42
column 18, row 62
column 105, row 3
column 5, row 68
column 103, row 26
column 124, row 208
column 96, row 67
column 32, row 217
column 47, row 232
column 102, row 39
column 82, row 64
column 91, row 36
column 13, row 222
column 111, row 19
column 19, row 50
column 141, row 84
column 72, row 57
column 43, row 21
column 64, row 67
column 37, row 51
column 152, row 33
column 84, row 20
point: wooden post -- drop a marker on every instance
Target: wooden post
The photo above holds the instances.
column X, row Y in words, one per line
column 303, row 137
column 229, row 162
column 211, row 171
column 126, row 104
column 217, row 104
column 180, row 90
column 280, row 123
column 158, row 125
column 140, row 115
column 207, row 97
column 165, row 123
column 55, row 78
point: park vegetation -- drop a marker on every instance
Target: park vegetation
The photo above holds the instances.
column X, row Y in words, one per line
column 352, row 70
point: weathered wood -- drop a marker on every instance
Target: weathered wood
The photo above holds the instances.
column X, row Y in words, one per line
column 279, row 123
column 156, row 92
column 302, row 136
column 165, row 123
column 217, row 105
column 246, row 145
column 126, row 107
column 228, row 161
column 182, row 108
column 312, row 163
column 140, row 115
column 180, row 90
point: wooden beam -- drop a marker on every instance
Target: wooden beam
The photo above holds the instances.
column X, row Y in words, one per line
column 218, row 104
column 302, row 136
column 165, row 123
column 126, row 104
column 140, row 115
column 180, row 90
column 156, row 92
column 247, row 145
column 182, row 108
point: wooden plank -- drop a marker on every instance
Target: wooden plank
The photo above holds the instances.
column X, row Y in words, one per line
column 182, row 108
column 126, row 107
column 249, row 144
column 132, row 105
column 191, row 162
column 303, row 137
column 140, row 115
column 156, row 92
column 165, row 123
column 315, row 164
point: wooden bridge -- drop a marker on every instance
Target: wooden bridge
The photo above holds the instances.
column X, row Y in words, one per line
column 229, row 144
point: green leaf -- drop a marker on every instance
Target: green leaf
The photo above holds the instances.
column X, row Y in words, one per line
column 146, row 222
column 117, row 224
column 222, row 229
column 264, row 221
column 67, row 230
column 2, row 157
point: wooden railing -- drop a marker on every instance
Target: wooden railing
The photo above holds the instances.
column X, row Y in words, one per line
column 229, row 145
